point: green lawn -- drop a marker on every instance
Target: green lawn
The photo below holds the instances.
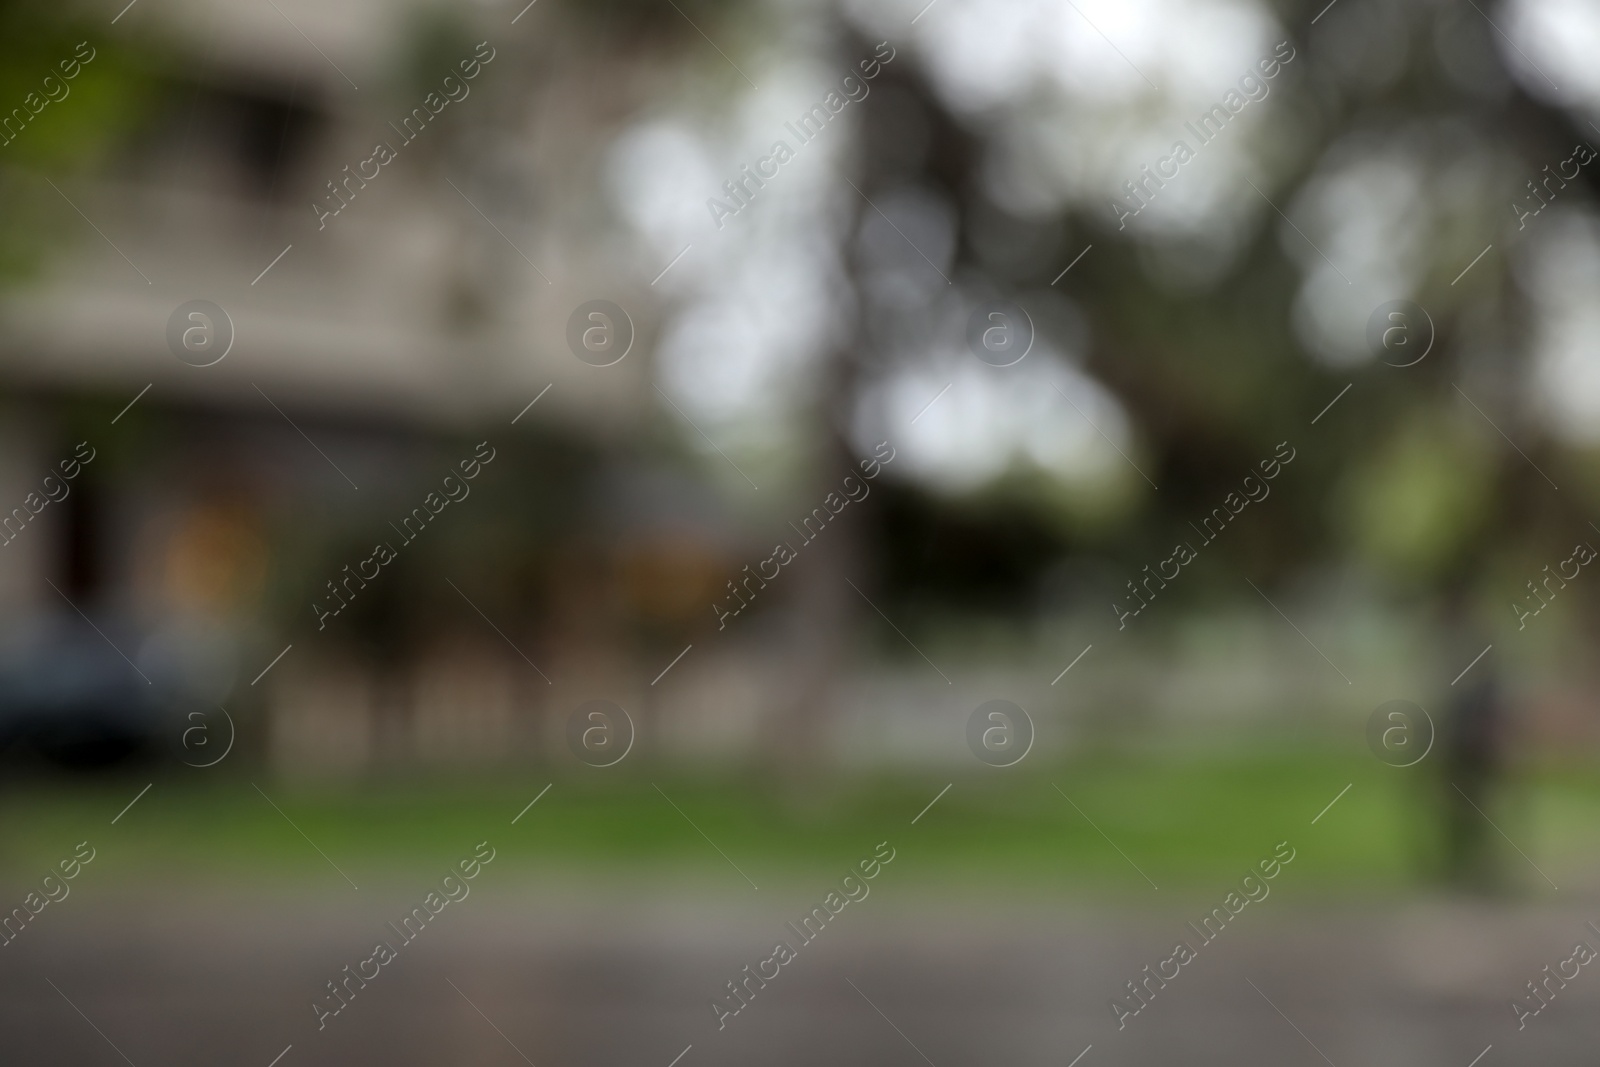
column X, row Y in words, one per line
column 1193, row 822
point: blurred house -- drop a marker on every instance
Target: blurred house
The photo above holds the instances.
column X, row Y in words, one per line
column 369, row 348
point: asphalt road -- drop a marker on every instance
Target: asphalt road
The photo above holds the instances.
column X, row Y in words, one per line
column 560, row 975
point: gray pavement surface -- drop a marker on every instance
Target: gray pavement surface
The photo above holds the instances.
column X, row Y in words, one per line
column 560, row 976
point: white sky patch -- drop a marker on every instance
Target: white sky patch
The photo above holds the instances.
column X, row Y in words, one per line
column 759, row 299
column 1370, row 219
column 742, row 349
column 659, row 173
column 1079, row 118
column 1559, row 38
column 1562, row 271
column 993, row 417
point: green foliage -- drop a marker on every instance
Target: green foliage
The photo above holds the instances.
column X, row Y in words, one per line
column 97, row 106
column 1415, row 503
